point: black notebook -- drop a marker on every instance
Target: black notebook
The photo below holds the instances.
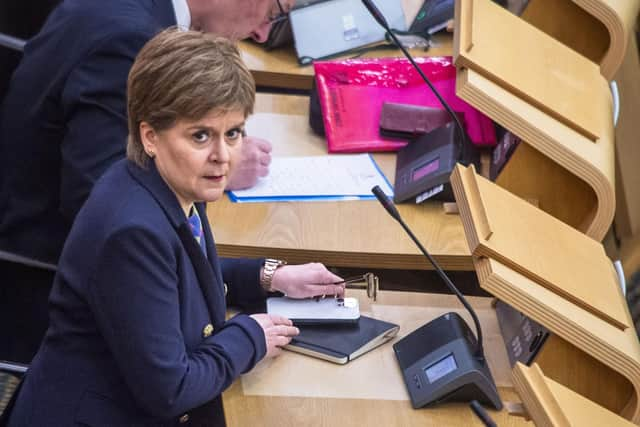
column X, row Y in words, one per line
column 340, row 343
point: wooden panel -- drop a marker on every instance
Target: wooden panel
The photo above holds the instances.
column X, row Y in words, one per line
column 541, row 404
column 540, row 247
column 552, row 404
column 580, row 372
column 615, row 350
column 530, row 174
column 561, row 18
column 593, row 163
column 531, row 64
column 347, row 234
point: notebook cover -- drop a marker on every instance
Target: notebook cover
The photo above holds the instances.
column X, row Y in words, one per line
column 341, row 343
column 352, row 92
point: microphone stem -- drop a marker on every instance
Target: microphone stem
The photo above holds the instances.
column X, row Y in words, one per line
column 479, row 348
column 463, row 133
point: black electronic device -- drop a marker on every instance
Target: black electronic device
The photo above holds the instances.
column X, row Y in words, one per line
column 459, row 139
column 424, row 166
column 442, row 360
column 523, row 337
column 438, row 364
column 432, row 16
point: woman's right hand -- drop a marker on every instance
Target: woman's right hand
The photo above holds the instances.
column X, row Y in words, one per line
column 278, row 331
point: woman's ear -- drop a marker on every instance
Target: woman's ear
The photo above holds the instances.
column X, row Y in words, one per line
column 149, row 138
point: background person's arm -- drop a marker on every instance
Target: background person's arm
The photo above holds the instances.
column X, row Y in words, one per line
column 94, row 103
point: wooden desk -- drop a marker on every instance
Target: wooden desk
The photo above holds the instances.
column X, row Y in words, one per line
column 279, row 68
column 297, row 390
column 341, row 234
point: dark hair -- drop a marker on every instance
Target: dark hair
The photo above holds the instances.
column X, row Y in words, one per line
column 184, row 75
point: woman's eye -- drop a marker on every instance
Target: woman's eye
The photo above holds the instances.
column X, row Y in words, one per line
column 201, row 136
column 234, row 134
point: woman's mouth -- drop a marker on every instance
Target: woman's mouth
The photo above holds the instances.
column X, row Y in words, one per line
column 214, row 178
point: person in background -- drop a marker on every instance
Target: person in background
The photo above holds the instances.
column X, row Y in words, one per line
column 63, row 123
column 138, row 334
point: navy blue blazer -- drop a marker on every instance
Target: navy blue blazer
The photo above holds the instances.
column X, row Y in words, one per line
column 134, row 292
column 63, row 121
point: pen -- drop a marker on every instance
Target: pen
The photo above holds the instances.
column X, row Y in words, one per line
column 482, row 414
column 344, row 281
column 348, row 280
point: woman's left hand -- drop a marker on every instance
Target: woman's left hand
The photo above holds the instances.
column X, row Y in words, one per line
column 306, row 281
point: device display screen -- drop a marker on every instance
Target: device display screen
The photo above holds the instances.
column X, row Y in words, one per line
column 425, row 169
column 441, row 368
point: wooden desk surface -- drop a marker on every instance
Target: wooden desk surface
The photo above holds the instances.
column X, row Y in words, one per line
column 279, row 67
column 297, row 390
column 341, row 234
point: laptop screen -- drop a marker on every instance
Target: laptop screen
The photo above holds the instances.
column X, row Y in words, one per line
column 325, row 28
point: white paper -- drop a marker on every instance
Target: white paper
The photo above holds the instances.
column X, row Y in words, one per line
column 332, row 176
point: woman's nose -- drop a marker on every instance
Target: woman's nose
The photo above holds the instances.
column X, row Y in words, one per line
column 219, row 152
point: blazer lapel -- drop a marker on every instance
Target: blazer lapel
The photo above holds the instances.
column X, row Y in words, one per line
column 205, row 273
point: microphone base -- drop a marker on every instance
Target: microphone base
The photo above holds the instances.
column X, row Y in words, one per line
column 438, row 364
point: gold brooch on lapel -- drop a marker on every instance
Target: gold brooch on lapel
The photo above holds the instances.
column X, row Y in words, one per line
column 207, row 331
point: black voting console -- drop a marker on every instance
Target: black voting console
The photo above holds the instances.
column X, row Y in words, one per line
column 438, row 364
column 423, row 167
column 443, row 360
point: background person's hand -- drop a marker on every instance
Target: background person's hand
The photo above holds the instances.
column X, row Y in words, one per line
column 306, row 281
column 255, row 157
column 278, row 332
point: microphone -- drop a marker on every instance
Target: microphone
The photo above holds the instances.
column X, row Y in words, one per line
column 377, row 15
column 380, row 19
column 391, row 209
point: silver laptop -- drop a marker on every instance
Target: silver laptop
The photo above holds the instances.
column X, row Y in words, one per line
column 326, row 28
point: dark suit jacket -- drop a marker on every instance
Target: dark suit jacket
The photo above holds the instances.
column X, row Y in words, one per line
column 63, row 121
column 128, row 310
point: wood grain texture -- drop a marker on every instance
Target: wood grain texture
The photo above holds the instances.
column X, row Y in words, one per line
column 541, row 404
column 617, row 351
column 591, row 162
column 294, row 411
column 530, row 174
column 551, row 404
column 342, row 234
column 534, row 66
column 539, row 246
column 582, row 373
column 560, row 18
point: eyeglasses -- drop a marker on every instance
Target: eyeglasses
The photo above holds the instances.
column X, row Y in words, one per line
column 283, row 15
